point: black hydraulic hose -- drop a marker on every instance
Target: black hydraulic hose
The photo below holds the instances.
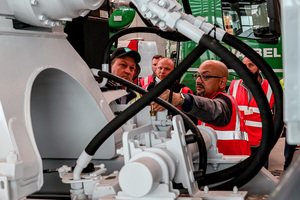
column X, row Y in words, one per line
column 175, row 65
column 177, row 54
column 266, row 146
column 187, row 7
column 278, row 121
column 267, row 121
column 150, row 96
column 171, row 96
column 188, row 122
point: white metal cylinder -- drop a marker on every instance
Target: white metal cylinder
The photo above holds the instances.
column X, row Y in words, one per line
column 189, row 30
column 46, row 13
column 140, row 177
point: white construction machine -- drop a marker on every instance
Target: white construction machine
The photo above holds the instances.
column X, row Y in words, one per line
column 52, row 112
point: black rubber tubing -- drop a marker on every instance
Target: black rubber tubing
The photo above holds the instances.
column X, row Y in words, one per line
column 187, row 7
column 175, row 65
column 278, row 119
column 268, row 141
column 197, row 136
column 230, row 60
column 240, row 167
column 150, row 96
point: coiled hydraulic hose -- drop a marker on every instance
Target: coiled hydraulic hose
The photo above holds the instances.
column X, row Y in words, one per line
column 188, row 122
column 267, row 121
column 268, row 141
column 250, row 166
column 119, row 120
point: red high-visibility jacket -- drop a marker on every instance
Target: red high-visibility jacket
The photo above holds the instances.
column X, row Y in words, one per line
column 250, row 109
column 232, row 138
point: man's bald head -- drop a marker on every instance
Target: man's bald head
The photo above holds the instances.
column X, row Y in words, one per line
column 216, row 67
column 213, row 78
column 164, row 67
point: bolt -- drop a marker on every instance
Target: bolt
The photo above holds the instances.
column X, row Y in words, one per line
column 162, row 25
column 206, row 190
column 47, row 22
column 34, row 2
column 149, row 15
column 235, row 190
column 42, row 17
column 102, row 166
column 162, row 3
column 144, row 8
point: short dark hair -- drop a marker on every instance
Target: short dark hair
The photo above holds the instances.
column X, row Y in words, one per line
column 157, row 57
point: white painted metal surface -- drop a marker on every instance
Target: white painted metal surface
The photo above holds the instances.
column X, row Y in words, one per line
column 46, row 13
column 48, row 97
column 291, row 63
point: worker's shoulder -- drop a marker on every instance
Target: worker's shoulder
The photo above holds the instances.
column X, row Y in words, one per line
column 235, row 81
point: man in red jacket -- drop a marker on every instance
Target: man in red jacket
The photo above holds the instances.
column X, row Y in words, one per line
column 164, row 67
column 144, row 82
column 214, row 108
column 248, row 106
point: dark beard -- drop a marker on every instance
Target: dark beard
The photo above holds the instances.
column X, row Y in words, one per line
column 202, row 93
column 256, row 74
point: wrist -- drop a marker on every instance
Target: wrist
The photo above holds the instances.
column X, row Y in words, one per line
column 182, row 98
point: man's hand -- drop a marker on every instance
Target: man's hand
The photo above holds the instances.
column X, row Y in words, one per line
column 164, row 96
column 176, row 100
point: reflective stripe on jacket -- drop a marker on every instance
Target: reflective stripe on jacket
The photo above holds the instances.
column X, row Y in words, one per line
column 250, row 109
column 138, row 95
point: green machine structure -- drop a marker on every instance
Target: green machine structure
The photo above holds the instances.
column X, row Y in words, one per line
column 121, row 18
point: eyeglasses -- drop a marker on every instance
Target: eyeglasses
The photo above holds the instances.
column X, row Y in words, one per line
column 204, row 77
